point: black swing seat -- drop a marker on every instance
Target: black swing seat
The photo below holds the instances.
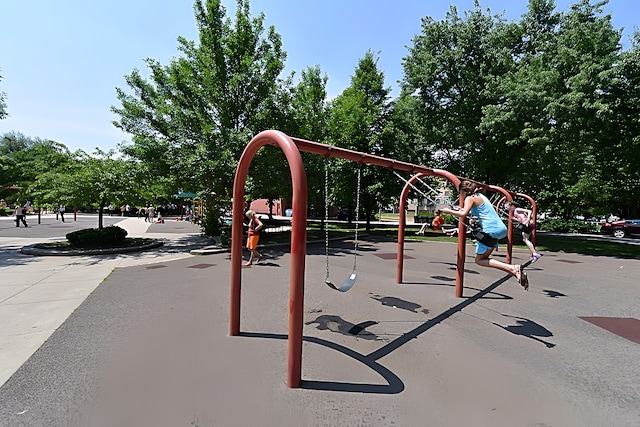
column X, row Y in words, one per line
column 348, row 284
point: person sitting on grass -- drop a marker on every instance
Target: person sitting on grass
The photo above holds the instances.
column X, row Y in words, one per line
column 436, row 223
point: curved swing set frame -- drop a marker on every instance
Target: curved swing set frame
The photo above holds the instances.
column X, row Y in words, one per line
column 291, row 148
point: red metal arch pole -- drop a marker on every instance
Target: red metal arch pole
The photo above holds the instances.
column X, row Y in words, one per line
column 298, row 244
column 402, row 222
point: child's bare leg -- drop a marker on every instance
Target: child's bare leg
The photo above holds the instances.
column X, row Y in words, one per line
column 251, row 257
column 525, row 239
column 515, row 270
column 484, row 261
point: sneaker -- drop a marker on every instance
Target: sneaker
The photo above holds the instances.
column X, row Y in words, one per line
column 535, row 257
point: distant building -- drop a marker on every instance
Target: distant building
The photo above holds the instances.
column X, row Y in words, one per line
column 261, row 206
column 440, row 199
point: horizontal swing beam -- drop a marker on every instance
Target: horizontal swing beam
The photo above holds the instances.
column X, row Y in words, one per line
column 356, row 156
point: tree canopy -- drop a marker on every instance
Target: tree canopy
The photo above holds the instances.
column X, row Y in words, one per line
column 546, row 105
column 192, row 118
column 529, row 105
column 3, row 103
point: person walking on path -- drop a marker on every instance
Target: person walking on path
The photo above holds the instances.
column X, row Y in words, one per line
column 61, row 210
column 20, row 216
column 151, row 213
column 255, row 225
column 526, row 224
column 492, row 230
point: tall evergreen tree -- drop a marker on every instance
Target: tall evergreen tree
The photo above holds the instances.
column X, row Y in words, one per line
column 357, row 121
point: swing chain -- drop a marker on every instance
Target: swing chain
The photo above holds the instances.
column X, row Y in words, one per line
column 326, row 215
column 355, row 248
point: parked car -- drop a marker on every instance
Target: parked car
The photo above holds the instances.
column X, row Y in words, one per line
column 622, row 228
column 344, row 215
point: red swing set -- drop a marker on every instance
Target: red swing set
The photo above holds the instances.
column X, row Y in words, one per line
column 291, row 148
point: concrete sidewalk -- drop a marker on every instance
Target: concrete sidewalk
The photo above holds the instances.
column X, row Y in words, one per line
column 38, row 293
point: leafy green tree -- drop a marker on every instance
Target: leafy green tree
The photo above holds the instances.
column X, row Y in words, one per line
column 25, row 158
column 191, row 120
column 357, row 121
column 452, row 70
column 525, row 105
column 3, row 103
column 310, row 117
column 301, row 112
column 587, row 50
column 90, row 180
column 620, row 159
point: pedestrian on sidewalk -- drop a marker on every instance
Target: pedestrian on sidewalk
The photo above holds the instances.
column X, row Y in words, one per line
column 61, row 210
column 151, row 212
column 20, row 216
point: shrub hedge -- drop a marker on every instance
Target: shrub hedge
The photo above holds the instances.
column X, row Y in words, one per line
column 567, row 226
column 97, row 237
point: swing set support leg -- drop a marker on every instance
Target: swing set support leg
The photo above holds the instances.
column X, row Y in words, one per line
column 298, row 244
column 402, row 223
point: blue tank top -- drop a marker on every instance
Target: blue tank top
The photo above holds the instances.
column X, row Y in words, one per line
column 489, row 220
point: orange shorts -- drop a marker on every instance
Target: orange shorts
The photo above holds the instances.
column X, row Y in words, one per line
column 252, row 242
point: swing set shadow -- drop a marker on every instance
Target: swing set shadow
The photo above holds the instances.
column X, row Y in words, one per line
column 292, row 148
column 394, row 384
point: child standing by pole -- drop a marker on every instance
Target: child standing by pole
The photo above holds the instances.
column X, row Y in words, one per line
column 255, row 225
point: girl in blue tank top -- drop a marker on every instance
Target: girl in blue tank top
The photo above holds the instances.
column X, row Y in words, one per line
column 492, row 226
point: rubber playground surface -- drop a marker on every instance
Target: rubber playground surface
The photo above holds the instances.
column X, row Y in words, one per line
column 150, row 345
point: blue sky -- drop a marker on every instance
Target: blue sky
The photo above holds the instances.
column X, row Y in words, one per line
column 61, row 61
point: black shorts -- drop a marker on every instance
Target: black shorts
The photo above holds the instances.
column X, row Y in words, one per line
column 527, row 229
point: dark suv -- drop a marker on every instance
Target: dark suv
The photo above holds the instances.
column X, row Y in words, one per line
column 622, row 228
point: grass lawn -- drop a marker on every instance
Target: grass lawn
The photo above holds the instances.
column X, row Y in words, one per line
column 581, row 245
column 545, row 243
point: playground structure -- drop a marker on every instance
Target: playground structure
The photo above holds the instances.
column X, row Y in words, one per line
column 291, row 148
